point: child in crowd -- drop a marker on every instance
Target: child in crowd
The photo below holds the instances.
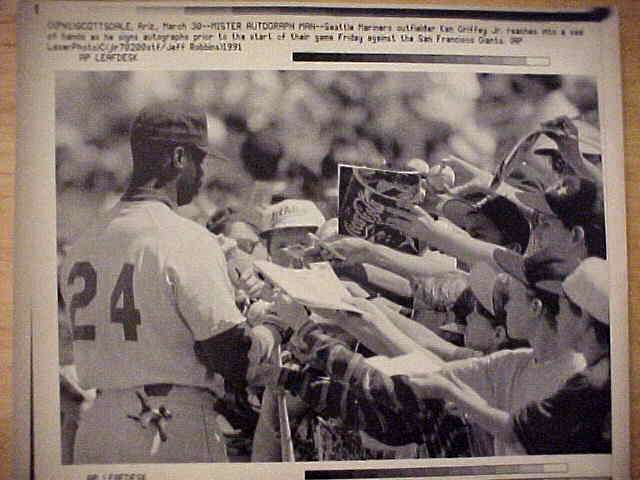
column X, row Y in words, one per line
column 286, row 225
column 481, row 309
column 485, row 324
column 576, row 418
column 490, row 218
column 569, row 216
column 510, row 379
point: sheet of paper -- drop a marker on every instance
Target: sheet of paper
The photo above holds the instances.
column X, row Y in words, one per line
column 316, row 287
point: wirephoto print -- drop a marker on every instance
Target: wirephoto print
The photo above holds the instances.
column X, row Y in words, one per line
column 319, row 242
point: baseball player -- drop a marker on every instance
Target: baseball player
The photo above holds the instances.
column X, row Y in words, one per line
column 152, row 307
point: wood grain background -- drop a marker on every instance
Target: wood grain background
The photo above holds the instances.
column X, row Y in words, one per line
column 630, row 45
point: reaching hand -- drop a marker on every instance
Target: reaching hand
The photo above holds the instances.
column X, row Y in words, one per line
column 462, row 353
column 413, row 221
column 289, row 312
column 301, row 342
column 565, row 134
column 250, row 283
column 480, row 177
column 431, row 385
column 263, row 346
column 69, row 380
column 354, row 250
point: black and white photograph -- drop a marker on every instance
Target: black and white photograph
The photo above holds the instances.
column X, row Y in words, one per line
column 319, row 265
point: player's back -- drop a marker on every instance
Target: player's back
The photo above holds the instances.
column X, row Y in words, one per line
column 118, row 284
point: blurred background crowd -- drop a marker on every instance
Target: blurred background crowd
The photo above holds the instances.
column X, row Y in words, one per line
column 306, row 122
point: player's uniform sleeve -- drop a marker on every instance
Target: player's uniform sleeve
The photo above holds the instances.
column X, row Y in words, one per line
column 227, row 354
column 196, row 274
column 204, row 298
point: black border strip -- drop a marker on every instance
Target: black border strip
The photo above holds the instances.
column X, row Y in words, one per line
column 595, row 15
column 410, row 58
column 462, row 470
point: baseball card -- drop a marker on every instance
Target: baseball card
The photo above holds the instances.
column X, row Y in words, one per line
column 364, row 194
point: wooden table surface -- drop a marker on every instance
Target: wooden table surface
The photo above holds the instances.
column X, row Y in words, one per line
column 630, row 46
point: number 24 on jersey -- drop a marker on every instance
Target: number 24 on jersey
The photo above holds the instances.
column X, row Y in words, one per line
column 126, row 314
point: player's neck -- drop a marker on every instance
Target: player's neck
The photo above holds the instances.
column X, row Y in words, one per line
column 152, row 190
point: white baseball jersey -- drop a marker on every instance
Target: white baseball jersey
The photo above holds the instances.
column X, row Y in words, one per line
column 141, row 286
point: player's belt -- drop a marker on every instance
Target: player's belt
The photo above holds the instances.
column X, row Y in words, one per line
column 158, row 389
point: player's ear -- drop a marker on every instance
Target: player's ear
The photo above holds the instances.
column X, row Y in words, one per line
column 178, row 158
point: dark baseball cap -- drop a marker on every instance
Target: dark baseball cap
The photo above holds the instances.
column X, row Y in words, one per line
column 575, row 201
column 502, row 212
column 569, row 192
column 174, row 121
column 543, row 270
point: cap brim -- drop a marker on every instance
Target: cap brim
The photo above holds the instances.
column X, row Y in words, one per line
column 514, row 264
column 212, row 152
column 511, row 263
column 452, row 327
column 545, row 150
column 536, row 201
column 544, row 145
column 551, row 286
column 482, row 280
column 457, row 210
column 576, row 165
column 588, row 287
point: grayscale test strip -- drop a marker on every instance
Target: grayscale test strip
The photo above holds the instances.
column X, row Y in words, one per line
column 426, row 472
column 421, row 58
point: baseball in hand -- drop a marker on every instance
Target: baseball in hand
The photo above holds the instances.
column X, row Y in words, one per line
column 441, row 178
column 418, row 165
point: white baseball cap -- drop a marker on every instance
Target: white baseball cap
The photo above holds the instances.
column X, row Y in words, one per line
column 588, row 287
column 292, row 213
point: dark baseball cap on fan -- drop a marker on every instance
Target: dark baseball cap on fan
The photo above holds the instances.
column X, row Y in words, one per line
column 576, row 201
column 175, row 122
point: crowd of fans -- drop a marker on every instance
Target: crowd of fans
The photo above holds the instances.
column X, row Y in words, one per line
column 320, row 118
column 499, row 327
